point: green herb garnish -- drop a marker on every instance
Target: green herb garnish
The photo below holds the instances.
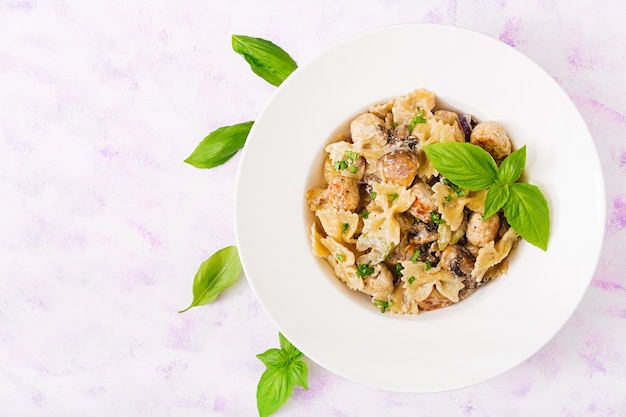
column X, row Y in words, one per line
column 417, row 119
column 428, row 265
column 399, row 269
column 384, row 305
column 373, row 195
column 458, row 191
column 266, row 59
column 411, row 280
column 415, row 256
column 285, row 368
column 340, row 165
column 471, row 167
column 345, row 227
column 219, row 146
column 364, row 270
column 365, row 214
column 353, row 169
column 435, row 218
column 392, row 196
column 340, row 257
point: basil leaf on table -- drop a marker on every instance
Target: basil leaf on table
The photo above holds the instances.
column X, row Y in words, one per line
column 527, row 212
column 512, row 166
column 468, row 166
column 220, row 146
column 267, row 60
column 215, row 274
column 285, row 368
column 496, row 197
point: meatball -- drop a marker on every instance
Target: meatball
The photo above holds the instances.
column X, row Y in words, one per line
column 447, row 117
column 398, row 167
column 491, row 137
column 343, row 193
column 424, row 202
column 380, row 283
column 481, row 232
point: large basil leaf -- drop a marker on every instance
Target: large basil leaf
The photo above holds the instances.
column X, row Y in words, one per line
column 266, row 59
column 468, row 166
column 512, row 166
column 219, row 146
column 215, row 274
column 527, row 212
column 496, row 197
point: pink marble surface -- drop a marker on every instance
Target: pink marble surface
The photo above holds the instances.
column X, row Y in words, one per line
column 102, row 226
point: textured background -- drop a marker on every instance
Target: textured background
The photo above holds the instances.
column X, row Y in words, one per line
column 102, row 226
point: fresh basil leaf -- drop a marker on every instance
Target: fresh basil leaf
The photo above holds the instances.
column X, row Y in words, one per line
column 291, row 350
column 468, row 166
column 512, row 166
column 527, row 212
column 266, row 59
column 299, row 373
column 219, row 146
column 496, row 197
column 273, row 390
column 274, row 357
column 215, row 274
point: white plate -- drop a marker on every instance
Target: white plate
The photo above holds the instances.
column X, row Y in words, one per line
column 497, row 327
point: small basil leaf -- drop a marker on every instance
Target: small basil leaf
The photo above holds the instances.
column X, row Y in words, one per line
column 273, row 390
column 219, row 146
column 468, row 166
column 512, row 166
column 266, row 59
column 274, row 357
column 496, row 197
column 527, row 212
column 290, row 349
column 299, row 373
column 215, row 274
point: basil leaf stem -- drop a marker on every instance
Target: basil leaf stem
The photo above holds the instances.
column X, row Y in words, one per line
column 215, row 274
column 219, row 146
column 267, row 60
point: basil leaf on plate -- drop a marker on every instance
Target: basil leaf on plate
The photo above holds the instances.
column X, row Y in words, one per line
column 512, row 166
column 215, row 274
column 527, row 212
column 496, row 197
column 220, row 145
column 266, row 59
column 468, row 166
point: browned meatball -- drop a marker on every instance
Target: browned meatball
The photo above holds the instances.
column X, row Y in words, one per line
column 424, row 202
column 380, row 283
column 448, row 117
column 491, row 137
column 481, row 232
column 398, row 167
column 343, row 193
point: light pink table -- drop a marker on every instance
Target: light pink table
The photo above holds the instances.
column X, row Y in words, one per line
column 102, row 226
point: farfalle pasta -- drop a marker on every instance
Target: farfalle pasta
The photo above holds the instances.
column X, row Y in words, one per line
column 390, row 225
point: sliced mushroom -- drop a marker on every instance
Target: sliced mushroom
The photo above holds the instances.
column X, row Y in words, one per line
column 481, row 232
column 343, row 193
column 420, row 234
column 458, row 260
column 398, row 167
column 380, row 283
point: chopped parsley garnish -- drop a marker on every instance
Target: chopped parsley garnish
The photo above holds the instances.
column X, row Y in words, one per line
column 392, row 196
column 340, row 165
column 416, row 256
column 384, row 305
column 364, row 270
column 411, row 280
column 435, row 218
column 417, row 119
column 394, row 124
column 340, row 257
column 458, row 191
column 353, row 169
column 448, row 198
column 399, row 269
column 345, row 227
column 365, row 214
column 351, row 157
column 373, row 195
column 428, row 265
